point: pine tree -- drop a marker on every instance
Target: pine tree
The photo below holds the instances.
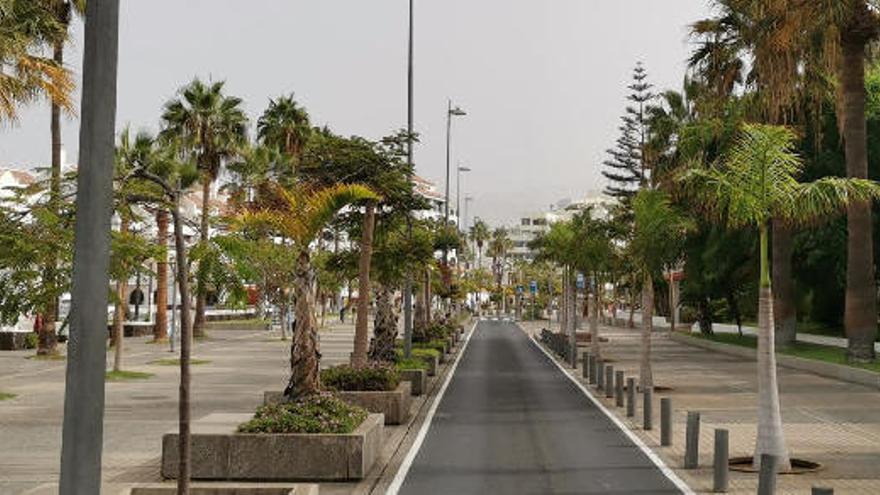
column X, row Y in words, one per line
column 627, row 167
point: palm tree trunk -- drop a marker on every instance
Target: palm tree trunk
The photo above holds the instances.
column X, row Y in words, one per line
column 784, row 310
column 420, row 317
column 201, row 287
column 595, row 345
column 186, row 335
column 646, row 374
column 361, row 335
column 429, row 303
column 631, row 322
column 47, row 341
column 120, row 310
column 305, row 360
column 384, row 326
column 770, row 436
column 860, row 316
column 160, row 330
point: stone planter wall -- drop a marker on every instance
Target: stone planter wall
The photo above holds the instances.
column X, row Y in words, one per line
column 394, row 404
column 418, row 380
column 13, row 341
column 227, row 489
column 219, row 453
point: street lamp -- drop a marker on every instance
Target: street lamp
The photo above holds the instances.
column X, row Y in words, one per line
column 451, row 112
column 458, row 193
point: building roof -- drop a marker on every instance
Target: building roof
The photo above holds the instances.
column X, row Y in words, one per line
column 427, row 189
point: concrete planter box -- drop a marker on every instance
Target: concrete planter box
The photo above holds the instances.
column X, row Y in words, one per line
column 220, row 453
column 433, row 364
column 394, row 404
column 13, row 341
column 418, row 380
column 228, row 489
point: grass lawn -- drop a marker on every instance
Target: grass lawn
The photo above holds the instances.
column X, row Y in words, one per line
column 6, row 396
column 176, row 362
column 835, row 355
column 118, row 376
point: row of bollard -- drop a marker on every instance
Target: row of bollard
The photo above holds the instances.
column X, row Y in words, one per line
column 603, row 376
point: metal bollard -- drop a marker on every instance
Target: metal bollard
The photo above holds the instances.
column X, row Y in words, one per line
column 647, row 409
column 609, row 382
column 722, row 461
column 618, row 388
column 586, row 368
column 822, row 491
column 630, row 397
column 665, row 422
column 692, row 441
column 600, row 374
column 767, row 476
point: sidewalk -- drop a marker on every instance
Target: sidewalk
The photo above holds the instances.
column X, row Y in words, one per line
column 831, row 422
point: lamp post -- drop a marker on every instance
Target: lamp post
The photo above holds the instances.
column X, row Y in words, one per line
column 458, row 173
column 407, row 284
column 450, row 112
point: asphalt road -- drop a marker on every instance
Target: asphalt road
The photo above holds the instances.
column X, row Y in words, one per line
column 512, row 423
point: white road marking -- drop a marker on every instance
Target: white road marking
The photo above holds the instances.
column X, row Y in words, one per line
column 405, row 466
column 666, row 470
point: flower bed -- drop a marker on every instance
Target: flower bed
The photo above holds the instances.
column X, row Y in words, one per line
column 371, row 378
column 317, row 414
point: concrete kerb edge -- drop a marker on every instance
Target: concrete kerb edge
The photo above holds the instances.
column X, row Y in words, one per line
column 666, row 470
column 403, row 470
column 826, row 370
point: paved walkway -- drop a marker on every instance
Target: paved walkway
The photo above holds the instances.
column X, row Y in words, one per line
column 829, row 421
column 512, row 423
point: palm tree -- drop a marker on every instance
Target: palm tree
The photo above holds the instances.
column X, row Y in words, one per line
column 212, row 128
column 479, row 234
column 160, row 330
column 285, row 126
column 300, row 214
column 62, row 10
column 756, row 183
column 657, row 240
column 361, row 336
column 25, row 75
column 499, row 245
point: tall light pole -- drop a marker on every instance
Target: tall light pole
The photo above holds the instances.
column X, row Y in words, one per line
column 408, row 283
column 83, row 430
column 458, row 173
column 450, row 112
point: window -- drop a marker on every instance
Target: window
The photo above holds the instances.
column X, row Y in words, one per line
column 526, row 221
column 539, row 221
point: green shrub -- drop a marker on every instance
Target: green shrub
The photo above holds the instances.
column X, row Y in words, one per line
column 31, row 341
column 321, row 413
column 413, row 363
column 438, row 345
column 374, row 377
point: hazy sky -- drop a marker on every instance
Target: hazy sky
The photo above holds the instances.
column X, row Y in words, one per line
column 543, row 81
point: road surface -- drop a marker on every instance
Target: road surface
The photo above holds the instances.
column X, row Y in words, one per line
column 512, row 423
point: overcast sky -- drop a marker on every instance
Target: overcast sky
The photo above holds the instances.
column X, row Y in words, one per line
column 543, row 81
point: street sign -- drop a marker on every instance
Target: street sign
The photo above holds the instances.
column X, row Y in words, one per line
column 533, row 287
column 581, row 283
column 519, row 289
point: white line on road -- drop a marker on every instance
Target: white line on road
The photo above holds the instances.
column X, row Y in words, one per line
column 669, row 473
column 397, row 483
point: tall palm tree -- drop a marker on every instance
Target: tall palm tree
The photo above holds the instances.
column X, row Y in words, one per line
column 479, row 234
column 361, row 336
column 499, row 245
column 212, row 128
column 284, row 125
column 300, row 214
column 160, row 330
column 756, row 183
column 657, row 240
column 26, row 27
